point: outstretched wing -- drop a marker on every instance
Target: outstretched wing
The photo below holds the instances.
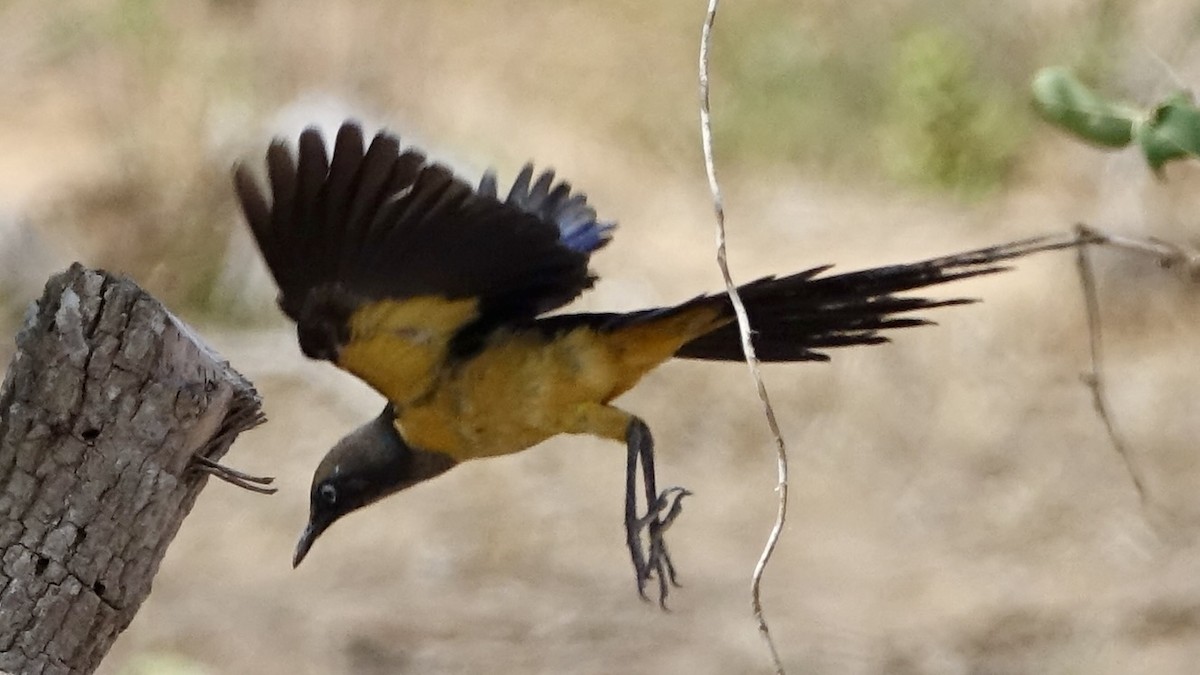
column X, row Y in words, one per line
column 386, row 224
column 375, row 244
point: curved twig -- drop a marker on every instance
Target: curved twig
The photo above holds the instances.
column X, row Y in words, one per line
column 743, row 321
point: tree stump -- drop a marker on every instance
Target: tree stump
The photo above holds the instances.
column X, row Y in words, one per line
column 103, row 410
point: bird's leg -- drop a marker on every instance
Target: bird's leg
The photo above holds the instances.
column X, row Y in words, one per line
column 661, row 511
column 233, row 476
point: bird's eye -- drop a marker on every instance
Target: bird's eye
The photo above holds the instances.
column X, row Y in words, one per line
column 328, row 493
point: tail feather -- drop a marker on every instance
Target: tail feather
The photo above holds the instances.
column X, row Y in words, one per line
column 796, row 316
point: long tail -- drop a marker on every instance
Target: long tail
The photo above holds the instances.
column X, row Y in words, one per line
column 795, row 316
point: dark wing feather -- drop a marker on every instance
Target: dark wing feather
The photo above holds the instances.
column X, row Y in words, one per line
column 384, row 223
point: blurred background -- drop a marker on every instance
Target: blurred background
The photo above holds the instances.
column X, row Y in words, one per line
column 956, row 506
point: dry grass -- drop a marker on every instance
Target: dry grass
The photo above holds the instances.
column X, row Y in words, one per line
column 956, row 506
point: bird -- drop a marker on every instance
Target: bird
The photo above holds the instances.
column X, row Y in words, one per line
column 441, row 295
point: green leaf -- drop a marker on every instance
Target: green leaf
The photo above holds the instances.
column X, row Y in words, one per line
column 1067, row 103
column 1171, row 132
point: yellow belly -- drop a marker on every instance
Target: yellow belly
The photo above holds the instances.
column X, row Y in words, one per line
column 524, row 388
column 518, row 392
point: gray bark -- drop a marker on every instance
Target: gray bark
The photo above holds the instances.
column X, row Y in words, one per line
column 101, row 410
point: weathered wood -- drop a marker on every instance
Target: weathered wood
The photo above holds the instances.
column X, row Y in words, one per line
column 104, row 405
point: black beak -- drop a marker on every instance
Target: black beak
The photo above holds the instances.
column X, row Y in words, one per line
column 316, row 526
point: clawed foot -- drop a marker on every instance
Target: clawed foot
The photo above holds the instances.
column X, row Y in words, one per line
column 654, row 560
column 233, row 476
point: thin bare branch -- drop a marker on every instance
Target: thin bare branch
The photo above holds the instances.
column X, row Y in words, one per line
column 747, row 345
column 1169, row 255
column 1094, row 379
